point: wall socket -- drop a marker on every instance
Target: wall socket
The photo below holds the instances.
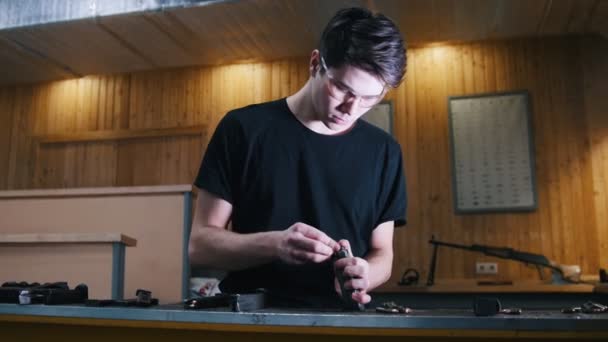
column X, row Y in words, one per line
column 486, row 268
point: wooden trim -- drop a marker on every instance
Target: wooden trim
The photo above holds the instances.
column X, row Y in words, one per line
column 119, row 135
column 105, row 191
column 466, row 286
column 67, row 238
column 315, row 330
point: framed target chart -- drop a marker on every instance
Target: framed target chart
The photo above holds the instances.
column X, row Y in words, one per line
column 492, row 153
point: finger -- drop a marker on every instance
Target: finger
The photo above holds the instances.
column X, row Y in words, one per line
column 345, row 262
column 301, row 257
column 344, row 243
column 310, row 245
column 315, row 234
column 355, row 271
column 359, row 284
column 361, row 297
column 341, row 264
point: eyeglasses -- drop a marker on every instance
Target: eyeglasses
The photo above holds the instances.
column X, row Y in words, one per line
column 342, row 92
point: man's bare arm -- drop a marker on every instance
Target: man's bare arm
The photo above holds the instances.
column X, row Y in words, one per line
column 212, row 245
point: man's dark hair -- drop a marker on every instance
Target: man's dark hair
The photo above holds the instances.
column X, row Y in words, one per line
column 371, row 42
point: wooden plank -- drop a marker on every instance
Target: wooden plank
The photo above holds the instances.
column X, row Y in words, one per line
column 97, row 191
column 471, row 286
column 7, row 116
column 120, row 135
column 67, row 238
column 542, row 144
column 595, row 66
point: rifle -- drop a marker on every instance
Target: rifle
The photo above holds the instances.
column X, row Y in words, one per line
column 561, row 273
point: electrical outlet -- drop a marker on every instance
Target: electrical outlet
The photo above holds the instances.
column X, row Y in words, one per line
column 486, row 268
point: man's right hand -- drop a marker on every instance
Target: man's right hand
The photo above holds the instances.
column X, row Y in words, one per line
column 301, row 243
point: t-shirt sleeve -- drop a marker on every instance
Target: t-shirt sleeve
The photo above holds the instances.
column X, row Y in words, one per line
column 393, row 194
column 218, row 173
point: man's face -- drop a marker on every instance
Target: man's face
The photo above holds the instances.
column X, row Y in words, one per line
column 342, row 95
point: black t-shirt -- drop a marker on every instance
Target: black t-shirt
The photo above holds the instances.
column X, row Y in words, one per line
column 276, row 172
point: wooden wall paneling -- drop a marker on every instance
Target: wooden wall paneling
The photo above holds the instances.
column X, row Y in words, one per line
column 570, row 152
column 304, row 72
column 499, row 231
column 492, row 230
column 573, row 136
column 527, row 233
column 215, row 94
column 173, row 116
column 295, row 75
column 471, row 223
column 185, row 153
column 548, row 184
column 568, row 88
column 418, row 222
column 69, row 115
column 190, row 91
column 510, row 63
column 524, row 230
column 587, row 254
column 443, row 197
column 240, row 77
column 541, row 115
column 262, row 89
column 120, row 111
column 151, row 101
column 405, row 240
column 274, row 79
column 284, row 86
column 205, row 97
column 434, row 138
column 428, row 96
column 120, row 121
column 481, row 227
column 498, row 73
column 595, row 66
column 15, row 136
column 562, row 151
column 40, row 118
column 19, row 167
column 124, row 164
column 92, row 103
column 103, row 98
column 136, row 96
column 539, row 96
column 70, row 173
column 7, row 115
column 453, row 79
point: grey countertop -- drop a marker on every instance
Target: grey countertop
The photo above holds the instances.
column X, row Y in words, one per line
column 536, row 320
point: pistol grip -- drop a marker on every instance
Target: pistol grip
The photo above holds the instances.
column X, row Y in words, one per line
column 347, row 299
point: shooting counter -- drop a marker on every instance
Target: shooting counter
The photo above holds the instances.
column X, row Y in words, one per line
column 436, row 315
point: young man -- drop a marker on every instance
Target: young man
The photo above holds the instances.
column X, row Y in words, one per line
column 300, row 177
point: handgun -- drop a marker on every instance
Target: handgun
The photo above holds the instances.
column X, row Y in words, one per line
column 347, row 294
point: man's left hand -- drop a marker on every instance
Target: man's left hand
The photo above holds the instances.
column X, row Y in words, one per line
column 357, row 269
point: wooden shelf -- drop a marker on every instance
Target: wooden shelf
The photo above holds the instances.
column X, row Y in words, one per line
column 113, row 135
column 100, row 191
column 67, row 238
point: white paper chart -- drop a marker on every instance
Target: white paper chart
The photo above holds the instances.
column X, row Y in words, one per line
column 492, row 155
